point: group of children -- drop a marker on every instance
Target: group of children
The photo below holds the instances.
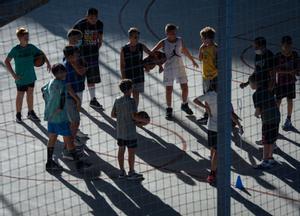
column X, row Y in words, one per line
column 274, row 75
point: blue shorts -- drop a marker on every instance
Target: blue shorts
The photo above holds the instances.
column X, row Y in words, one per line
column 62, row 129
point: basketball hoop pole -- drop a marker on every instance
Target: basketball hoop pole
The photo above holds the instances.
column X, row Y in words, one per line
column 224, row 106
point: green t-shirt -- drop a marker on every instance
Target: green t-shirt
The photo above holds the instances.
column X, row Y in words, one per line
column 24, row 63
column 57, row 94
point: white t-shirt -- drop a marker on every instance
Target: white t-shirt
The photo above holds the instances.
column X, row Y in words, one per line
column 210, row 98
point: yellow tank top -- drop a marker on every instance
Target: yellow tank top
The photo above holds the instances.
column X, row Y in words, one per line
column 209, row 59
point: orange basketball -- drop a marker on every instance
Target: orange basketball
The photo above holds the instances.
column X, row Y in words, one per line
column 39, row 60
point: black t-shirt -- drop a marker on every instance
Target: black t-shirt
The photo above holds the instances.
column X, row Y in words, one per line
column 264, row 100
column 286, row 63
column 263, row 65
column 90, row 42
column 134, row 63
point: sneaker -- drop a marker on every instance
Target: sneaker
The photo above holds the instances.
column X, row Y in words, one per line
column 187, row 109
column 67, row 155
column 263, row 165
column 132, row 175
column 51, row 165
column 122, row 174
column 32, row 116
column 169, row 113
column 211, row 178
column 287, row 125
column 95, row 104
column 80, row 134
column 271, row 161
column 19, row 118
column 203, row 120
column 259, row 142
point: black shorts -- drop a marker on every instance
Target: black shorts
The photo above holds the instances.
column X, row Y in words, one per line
column 207, row 84
column 269, row 133
column 127, row 143
column 212, row 139
column 24, row 88
column 288, row 91
column 93, row 71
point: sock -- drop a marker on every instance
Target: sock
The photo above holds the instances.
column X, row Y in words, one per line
column 50, row 151
column 92, row 92
column 288, row 117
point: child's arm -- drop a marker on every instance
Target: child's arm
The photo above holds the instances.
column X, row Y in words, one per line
column 74, row 96
column 113, row 111
column 187, row 53
column 146, row 50
column 10, row 69
column 47, row 62
column 201, row 104
column 122, row 64
column 257, row 113
column 158, row 46
column 79, row 68
column 201, row 52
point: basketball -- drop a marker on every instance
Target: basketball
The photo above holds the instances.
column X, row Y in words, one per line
column 152, row 60
column 39, row 60
column 145, row 117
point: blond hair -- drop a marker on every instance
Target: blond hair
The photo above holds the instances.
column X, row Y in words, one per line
column 21, row 31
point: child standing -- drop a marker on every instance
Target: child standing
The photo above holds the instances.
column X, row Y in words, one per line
column 92, row 30
column 266, row 108
column 131, row 62
column 24, row 73
column 125, row 111
column 173, row 47
column 208, row 55
column 286, row 66
column 55, row 94
column 75, row 83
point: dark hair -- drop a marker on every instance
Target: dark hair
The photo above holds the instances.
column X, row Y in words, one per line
column 208, row 32
column 70, row 50
column 74, row 32
column 125, row 85
column 133, row 30
column 252, row 78
column 170, row 27
column 286, row 39
column 92, row 11
column 260, row 41
column 213, row 86
column 56, row 68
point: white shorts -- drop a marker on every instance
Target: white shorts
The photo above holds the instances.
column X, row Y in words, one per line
column 172, row 72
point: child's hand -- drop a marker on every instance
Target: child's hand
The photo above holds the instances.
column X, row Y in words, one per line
column 243, row 85
column 207, row 109
column 16, row 77
column 195, row 64
column 257, row 113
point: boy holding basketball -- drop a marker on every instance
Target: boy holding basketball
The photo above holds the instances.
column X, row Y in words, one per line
column 208, row 55
column 125, row 111
column 24, row 73
column 173, row 47
column 92, row 30
column 266, row 109
column 55, row 94
column 286, row 66
column 131, row 62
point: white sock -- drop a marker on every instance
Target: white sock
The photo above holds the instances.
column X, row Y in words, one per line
column 92, row 91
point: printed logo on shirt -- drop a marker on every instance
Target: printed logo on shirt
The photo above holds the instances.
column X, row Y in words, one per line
column 90, row 37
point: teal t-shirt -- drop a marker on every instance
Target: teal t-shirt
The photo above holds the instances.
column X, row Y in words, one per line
column 24, row 63
column 57, row 94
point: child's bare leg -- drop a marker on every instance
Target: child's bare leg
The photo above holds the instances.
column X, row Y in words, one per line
column 213, row 160
column 131, row 158
column 29, row 98
column 184, row 92
column 169, row 91
column 68, row 143
column 136, row 97
column 267, row 151
column 289, row 107
column 121, row 153
column 19, row 100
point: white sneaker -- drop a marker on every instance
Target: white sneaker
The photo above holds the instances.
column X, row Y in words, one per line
column 80, row 134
